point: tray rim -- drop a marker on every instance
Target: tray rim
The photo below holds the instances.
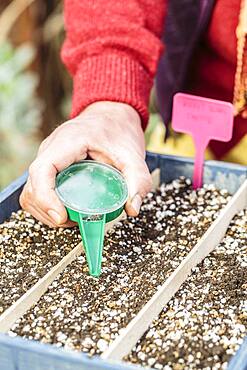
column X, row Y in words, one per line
column 20, row 344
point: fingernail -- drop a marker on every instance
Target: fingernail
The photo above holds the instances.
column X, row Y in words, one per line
column 136, row 203
column 55, row 216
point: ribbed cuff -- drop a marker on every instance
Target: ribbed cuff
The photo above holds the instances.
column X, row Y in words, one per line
column 112, row 77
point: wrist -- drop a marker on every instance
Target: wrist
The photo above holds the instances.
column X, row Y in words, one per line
column 113, row 109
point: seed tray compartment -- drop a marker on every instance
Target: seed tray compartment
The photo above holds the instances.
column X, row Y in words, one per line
column 17, row 353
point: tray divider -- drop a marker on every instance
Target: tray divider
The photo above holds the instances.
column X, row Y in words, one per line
column 130, row 335
column 31, row 297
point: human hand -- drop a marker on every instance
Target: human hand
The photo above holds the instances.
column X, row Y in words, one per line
column 108, row 132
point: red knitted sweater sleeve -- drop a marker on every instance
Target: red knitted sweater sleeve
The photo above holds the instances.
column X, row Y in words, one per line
column 112, row 48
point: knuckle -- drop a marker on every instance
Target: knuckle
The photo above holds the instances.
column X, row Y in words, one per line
column 33, row 168
column 25, row 197
column 22, row 200
column 43, row 145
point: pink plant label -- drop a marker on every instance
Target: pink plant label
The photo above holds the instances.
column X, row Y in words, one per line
column 205, row 119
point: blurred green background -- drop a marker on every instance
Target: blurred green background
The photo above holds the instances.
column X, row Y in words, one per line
column 35, row 88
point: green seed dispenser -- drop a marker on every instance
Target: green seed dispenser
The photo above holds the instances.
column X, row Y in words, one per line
column 93, row 194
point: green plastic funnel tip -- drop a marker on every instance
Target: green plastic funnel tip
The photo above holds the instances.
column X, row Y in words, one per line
column 92, row 233
column 93, row 194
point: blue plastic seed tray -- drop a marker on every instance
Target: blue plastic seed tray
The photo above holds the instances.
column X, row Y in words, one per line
column 21, row 354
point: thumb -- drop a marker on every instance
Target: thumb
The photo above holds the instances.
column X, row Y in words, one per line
column 139, row 184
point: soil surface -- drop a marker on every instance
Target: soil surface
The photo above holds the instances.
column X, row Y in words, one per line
column 85, row 313
column 206, row 321
column 28, row 250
